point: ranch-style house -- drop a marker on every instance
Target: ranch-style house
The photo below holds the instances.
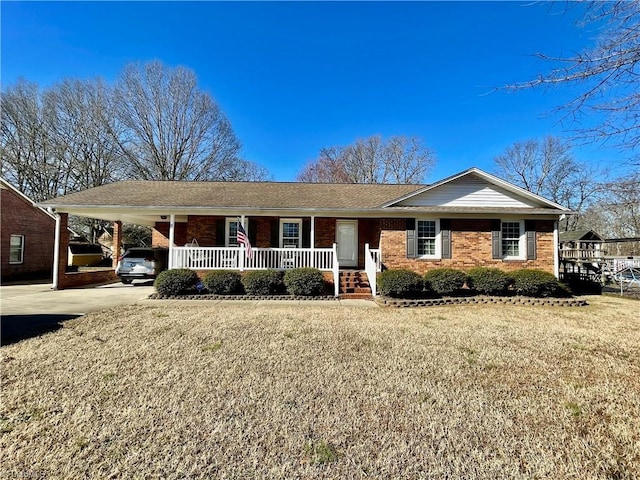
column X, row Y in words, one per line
column 469, row 219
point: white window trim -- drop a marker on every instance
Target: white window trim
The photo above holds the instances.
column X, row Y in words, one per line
column 522, row 240
column 291, row 220
column 438, row 254
column 227, row 228
column 21, row 250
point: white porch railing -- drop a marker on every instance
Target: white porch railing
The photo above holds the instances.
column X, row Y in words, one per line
column 234, row 258
column 372, row 265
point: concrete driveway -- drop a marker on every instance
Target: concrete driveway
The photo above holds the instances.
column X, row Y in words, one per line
column 30, row 310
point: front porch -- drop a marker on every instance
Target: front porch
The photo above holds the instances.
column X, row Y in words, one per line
column 237, row 258
column 210, row 242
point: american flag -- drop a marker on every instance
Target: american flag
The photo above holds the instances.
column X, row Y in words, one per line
column 244, row 240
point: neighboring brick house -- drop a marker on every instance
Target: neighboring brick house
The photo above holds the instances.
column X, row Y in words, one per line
column 469, row 219
column 27, row 237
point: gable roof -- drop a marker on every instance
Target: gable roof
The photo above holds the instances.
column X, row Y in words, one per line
column 504, row 193
column 576, row 235
column 5, row 185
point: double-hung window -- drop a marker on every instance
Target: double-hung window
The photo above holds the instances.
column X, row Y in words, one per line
column 290, row 233
column 512, row 239
column 427, row 238
column 16, row 249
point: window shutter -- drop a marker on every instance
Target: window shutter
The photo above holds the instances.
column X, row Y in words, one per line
column 411, row 237
column 275, row 233
column 306, row 232
column 253, row 231
column 496, row 245
column 220, row 232
column 445, row 233
column 530, row 229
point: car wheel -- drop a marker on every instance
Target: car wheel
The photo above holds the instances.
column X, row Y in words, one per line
column 126, row 281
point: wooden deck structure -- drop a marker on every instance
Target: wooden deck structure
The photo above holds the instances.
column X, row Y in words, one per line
column 585, row 255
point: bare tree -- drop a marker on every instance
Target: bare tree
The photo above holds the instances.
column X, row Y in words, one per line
column 608, row 74
column 30, row 158
column 172, row 130
column 398, row 159
column 82, row 117
column 616, row 214
column 546, row 167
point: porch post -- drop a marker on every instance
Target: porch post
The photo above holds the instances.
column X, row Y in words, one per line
column 172, row 226
column 556, row 253
column 117, row 240
column 56, row 252
column 313, row 240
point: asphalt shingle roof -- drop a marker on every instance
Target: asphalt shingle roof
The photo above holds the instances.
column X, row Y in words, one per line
column 144, row 193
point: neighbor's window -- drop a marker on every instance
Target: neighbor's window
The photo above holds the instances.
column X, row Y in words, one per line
column 16, row 249
column 231, row 234
column 427, row 236
column 511, row 235
column 290, row 233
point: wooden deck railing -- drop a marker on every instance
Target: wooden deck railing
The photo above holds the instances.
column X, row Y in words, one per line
column 581, row 253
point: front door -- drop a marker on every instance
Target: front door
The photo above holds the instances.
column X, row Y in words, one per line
column 347, row 240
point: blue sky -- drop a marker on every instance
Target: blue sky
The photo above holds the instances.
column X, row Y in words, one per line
column 296, row 76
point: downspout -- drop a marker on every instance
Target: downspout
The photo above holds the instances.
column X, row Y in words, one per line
column 56, row 250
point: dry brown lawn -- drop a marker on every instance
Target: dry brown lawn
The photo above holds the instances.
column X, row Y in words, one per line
column 205, row 391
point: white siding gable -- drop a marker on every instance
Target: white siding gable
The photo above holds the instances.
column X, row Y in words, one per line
column 469, row 191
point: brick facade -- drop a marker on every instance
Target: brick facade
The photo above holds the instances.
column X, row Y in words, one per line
column 470, row 247
column 20, row 217
column 470, row 240
column 209, row 232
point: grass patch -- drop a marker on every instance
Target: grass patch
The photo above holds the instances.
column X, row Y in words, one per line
column 212, row 347
column 491, row 391
column 573, row 408
column 320, row 452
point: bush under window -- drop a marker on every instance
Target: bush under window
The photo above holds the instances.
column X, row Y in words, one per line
column 536, row 283
column 445, row 281
column 400, row 283
column 489, row 281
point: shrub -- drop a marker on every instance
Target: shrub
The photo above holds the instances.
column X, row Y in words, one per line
column 263, row 282
column 488, row 281
column 305, row 282
column 536, row 283
column 400, row 283
column 223, row 282
column 445, row 281
column 176, row 281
